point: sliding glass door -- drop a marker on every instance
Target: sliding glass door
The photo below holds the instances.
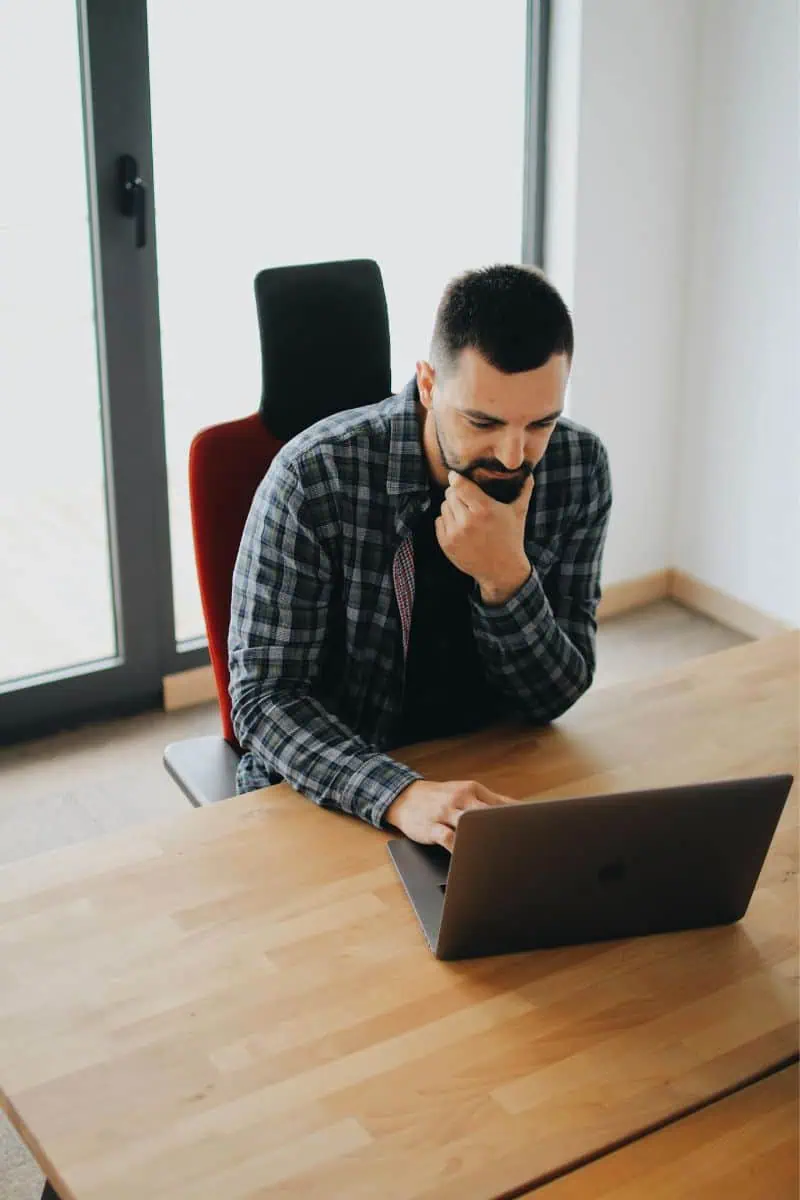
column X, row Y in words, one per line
column 57, row 604
column 158, row 157
column 85, row 598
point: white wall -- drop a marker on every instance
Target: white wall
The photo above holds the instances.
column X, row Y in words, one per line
column 563, row 114
column 738, row 518
column 632, row 63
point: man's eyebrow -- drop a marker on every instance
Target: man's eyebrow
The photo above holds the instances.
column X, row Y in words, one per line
column 477, row 415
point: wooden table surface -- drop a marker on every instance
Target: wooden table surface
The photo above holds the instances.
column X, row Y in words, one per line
column 238, row 1002
column 744, row 1147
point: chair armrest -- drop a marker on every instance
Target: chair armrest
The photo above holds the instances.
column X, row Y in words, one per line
column 204, row 768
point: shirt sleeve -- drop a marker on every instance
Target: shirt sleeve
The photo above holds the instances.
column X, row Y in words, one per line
column 283, row 585
column 538, row 648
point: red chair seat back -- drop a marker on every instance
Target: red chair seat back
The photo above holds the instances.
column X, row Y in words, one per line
column 226, row 464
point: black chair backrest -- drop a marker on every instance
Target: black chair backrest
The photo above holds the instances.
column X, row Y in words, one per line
column 324, row 342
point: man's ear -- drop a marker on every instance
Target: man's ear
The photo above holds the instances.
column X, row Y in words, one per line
column 426, row 378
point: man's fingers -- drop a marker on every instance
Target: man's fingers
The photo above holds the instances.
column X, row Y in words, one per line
column 456, row 502
column 472, row 794
column 466, row 491
column 443, row 835
column 488, row 797
column 524, row 498
column 443, row 524
column 464, row 800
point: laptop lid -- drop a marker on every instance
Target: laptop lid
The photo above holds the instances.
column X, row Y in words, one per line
column 556, row 872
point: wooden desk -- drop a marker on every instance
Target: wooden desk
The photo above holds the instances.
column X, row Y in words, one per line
column 744, row 1147
column 238, row 1002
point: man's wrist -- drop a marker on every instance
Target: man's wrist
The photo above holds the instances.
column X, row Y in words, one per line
column 391, row 812
column 495, row 592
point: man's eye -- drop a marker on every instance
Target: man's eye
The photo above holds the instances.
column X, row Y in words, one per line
column 481, row 424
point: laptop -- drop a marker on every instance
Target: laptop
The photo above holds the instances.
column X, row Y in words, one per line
column 559, row 872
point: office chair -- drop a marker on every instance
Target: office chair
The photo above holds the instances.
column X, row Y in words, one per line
column 325, row 347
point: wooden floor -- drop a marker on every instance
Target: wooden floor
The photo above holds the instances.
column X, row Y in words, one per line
column 77, row 785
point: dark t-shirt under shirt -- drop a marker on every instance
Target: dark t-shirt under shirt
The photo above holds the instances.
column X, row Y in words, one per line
column 446, row 692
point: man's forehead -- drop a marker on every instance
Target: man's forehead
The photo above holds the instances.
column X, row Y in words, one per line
column 529, row 395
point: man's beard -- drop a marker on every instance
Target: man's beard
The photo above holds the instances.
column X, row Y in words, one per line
column 505, row 490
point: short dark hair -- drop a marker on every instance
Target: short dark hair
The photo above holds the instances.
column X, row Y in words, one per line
column 512, row 315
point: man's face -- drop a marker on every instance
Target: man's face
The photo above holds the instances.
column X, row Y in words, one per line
column 491, row 427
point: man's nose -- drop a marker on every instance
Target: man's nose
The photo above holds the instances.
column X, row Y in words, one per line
column 511, row 451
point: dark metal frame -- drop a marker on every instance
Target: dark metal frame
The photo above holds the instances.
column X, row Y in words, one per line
column 537, row 62
column 113, row 50
column 114, row 69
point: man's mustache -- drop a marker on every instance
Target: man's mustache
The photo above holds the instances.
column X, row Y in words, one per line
column 491, row 464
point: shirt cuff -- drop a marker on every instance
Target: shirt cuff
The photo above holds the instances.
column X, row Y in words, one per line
column 525, row 607
column 376, row 785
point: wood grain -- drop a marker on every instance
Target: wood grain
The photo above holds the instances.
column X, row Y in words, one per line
column 238, row 1003
column 744, row 1147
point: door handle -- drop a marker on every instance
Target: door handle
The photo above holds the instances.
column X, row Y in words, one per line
column 133, row 196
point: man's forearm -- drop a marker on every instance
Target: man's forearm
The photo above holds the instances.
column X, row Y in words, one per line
column 529, row 656
column 294, row 734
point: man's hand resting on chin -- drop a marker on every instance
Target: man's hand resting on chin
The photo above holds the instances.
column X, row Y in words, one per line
column 429, row 812
column 484, row 538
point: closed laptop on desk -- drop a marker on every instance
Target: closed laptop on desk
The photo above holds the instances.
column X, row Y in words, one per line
column 556, row 872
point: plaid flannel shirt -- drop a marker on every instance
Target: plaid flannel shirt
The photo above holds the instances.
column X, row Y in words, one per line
column 323, row 593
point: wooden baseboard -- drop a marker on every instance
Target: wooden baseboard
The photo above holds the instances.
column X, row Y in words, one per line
column 624, row 597
column 187, row 688
column 712, row 602
column 677, row 585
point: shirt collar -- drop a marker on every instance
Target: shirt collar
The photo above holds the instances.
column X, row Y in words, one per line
column 408, row 471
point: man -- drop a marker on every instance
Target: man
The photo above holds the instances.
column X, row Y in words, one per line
column 423, row 566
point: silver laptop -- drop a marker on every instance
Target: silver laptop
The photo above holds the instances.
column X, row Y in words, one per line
column 557, row 872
